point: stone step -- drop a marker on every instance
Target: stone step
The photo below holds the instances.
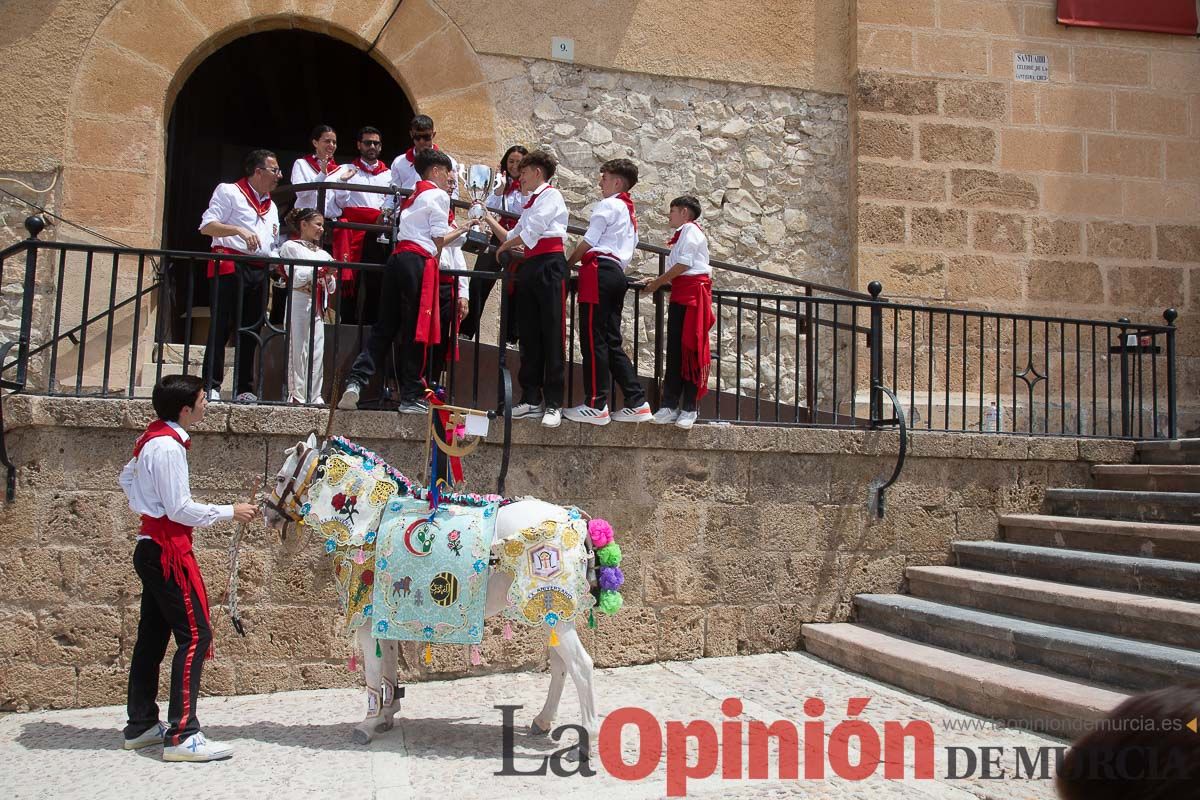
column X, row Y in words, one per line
column 1109, row 504
column 1174, row 451
column 1156, row 576
column 1006, row 692
column 1147, row 477
column 1097, row 657
column 1135, row 616
column 1124, row 537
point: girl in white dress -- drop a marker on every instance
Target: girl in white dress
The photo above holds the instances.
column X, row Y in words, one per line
column 310, row 297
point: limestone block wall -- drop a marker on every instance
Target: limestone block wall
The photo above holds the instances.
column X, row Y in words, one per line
column 1077, row 196
column 733, row 537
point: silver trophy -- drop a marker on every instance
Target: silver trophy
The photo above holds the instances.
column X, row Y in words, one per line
column 479, row 184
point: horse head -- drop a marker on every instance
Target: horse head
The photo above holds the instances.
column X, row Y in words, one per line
column 282, row 503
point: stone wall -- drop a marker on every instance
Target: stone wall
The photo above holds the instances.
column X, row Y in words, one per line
column 733, row 537
column 1078, row 196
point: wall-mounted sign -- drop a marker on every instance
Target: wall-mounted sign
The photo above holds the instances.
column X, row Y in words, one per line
column 562, row 49
column 1031, row 67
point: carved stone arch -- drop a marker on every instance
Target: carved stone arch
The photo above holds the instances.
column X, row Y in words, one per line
column 143, row 51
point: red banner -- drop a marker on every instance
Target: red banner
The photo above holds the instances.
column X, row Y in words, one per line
column 1159, row 16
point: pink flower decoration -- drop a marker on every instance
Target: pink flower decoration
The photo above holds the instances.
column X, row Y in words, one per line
column 600, row 531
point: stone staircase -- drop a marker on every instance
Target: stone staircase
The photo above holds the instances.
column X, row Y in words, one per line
column 1063, row 616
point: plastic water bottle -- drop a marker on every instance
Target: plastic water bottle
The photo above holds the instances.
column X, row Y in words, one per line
column 991, row 418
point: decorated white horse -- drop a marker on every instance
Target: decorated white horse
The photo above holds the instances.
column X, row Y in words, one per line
column 407, row 569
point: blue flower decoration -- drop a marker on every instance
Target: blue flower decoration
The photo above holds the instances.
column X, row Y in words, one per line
column 382, row 626
column 573, row 514
column 479, row 565
column 394, row 505
column 306, row 509
column 473, row 631
column 368, row 609
column 489, row 511
column 370, row 537
column 381, row 563
column 330, row 545
column 428, row 632
column 368, row 465
column 552, row 619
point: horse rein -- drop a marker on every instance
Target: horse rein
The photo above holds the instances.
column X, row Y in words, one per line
column 288, row 505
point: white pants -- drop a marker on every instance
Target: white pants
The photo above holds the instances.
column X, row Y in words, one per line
column 300, row 317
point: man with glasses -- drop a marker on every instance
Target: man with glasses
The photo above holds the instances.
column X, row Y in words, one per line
column 242, row 220
column 348, row 205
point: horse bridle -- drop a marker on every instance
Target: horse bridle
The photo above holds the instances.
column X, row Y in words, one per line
column 288, row 505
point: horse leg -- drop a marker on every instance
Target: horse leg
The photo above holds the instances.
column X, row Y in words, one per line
column 579, row 667
column 392, row 692
column 544, row 721
column 375, row 721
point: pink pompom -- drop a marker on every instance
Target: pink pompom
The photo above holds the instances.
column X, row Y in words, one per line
column 601, row 532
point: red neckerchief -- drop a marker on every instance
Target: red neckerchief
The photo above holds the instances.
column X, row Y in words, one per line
column 411, row 153
column 153, row 431
column 420, row 186
column 261, row 207
column 379, row 167
column 628, row 201
column 316, row 165
column 533, row 197
column 679, row 230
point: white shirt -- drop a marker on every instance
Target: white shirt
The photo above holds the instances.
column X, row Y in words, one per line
column 545, row 219
column 156, row 483
column 229, row 206
column 426, row 219
column 302, row 276
column 611, row 232
column 404, row 173
column 510, row 202
column 302, row 172
column 690, row 249
column 337, row 201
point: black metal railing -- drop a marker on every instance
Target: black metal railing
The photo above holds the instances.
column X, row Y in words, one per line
column 109, row 321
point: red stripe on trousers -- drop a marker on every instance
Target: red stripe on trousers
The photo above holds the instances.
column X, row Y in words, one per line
column 591, row 307
column 187, row 662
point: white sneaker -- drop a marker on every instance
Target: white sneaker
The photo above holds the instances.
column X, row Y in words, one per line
column 552, row 418
column 665, row 416
column 214, row 395
column 587, row 415
column 523, row 410
column 152, row 735
column 197, row 748
column 349, row 399
column 639, row 414
column 247, row 397
column 686, row 420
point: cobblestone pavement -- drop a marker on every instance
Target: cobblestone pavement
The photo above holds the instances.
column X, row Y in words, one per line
column 449, row 742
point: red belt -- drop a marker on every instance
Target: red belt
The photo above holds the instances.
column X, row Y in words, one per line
column 178, row 561
column 429, row 323
column 547, row 244
column 224, row 266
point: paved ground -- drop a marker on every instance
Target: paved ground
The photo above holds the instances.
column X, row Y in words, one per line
column 449, row 744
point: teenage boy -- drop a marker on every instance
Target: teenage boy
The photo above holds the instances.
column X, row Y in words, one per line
column 689, row 316
column 174, row 600
column 605, row 252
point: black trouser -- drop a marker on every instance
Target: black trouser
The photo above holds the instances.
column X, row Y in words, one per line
column 673, row 383
column 541, row 283
column 165, row 610
column 399, row 303
column 604, row 359
column 246, row 283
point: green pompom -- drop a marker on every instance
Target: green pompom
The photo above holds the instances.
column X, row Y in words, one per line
column 609, row 555
column 611, row 602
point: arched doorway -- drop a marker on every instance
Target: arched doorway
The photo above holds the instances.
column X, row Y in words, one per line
column 269, row 90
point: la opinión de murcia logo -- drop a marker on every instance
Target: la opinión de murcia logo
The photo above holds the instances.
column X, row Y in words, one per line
column 851, row 750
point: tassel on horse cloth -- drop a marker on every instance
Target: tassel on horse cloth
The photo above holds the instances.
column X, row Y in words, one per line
column 508, row 634
column 428, row 655
column 378, row 650
column 591, row 619
column 353, row 664
column 476, row 655
column 553, row 638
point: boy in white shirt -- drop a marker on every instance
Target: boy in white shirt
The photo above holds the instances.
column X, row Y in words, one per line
column 416, row 299
column 605, row 251
column 541, row 289
column 690, row 316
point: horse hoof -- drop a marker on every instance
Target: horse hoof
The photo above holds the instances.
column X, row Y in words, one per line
column 359, row 736
column 537, row 730
column 386, row 725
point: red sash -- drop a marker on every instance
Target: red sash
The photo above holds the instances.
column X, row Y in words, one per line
column 429, row 321
column 224, row 266
column 178, row 560
column 589, row 267
column 348, row 242
column 695, row 292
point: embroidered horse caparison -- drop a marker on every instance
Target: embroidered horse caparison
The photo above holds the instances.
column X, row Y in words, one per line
column 348, row 496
